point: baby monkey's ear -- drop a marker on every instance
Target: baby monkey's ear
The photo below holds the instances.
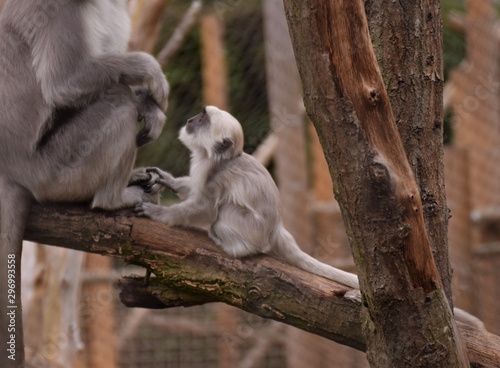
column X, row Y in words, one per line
column 222, row 146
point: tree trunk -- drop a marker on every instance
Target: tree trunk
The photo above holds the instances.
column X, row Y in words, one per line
column 346, row 99
column 408, row 45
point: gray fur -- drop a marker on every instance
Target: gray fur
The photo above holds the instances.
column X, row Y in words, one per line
column 231, row 195
column 68, row 114
column 48, row 65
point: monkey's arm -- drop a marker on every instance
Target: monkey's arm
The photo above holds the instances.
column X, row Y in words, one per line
column 70, row 75
column 199, row 213
column 148, row 181
column 149, row 113
column 180, row 186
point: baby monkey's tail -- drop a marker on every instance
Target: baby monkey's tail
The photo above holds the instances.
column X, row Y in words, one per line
column 287, row 249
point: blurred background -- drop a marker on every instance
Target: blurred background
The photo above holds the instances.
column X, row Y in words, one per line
column 236, row 54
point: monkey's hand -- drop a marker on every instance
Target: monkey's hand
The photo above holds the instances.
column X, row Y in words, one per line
column 146, row 180
column 180, row 186
column 163, row 178
column 143, row 69
column 150, row 114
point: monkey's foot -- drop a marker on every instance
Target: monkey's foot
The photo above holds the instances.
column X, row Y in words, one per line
column 154, row 212
column 139, row 210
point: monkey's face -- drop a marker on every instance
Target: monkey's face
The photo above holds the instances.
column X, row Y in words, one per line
column 197, row 122
column 196, row 130
column 215, row 132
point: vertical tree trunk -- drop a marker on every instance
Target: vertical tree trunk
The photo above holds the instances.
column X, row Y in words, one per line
column 407, row 319
column 408, row 45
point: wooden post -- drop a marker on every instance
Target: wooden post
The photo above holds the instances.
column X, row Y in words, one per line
column 147, row 22
column 287, row 122
column 330, row 242
column 330, row 246
column 321, row 180
column 476, row 109
column 51, row 324
column 477, row 132
column 214, row 64
column 33, row 286
column 291, row 171
column 98, row 314
column 457, row 174
column 215, row 92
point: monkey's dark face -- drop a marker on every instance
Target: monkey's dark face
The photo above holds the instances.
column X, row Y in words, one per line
column 214, row 132
column 198, row 121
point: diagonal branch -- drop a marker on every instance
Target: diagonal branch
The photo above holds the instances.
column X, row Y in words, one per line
column 175, row 41
column 190, row 270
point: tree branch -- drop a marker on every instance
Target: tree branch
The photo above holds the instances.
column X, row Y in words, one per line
column 191, row 270
column 187, row 262
column 175, row 41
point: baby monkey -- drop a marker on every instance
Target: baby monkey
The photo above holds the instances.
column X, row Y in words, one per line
column 230, row 194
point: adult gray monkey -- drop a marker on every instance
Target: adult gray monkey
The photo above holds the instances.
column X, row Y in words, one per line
column 71, row 97
column 232, row 195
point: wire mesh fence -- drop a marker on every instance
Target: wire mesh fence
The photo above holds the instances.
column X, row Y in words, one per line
column 224, row 55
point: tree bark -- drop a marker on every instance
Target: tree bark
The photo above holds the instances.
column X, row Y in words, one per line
column 191, row 270
column 408, row 46
column 374, row 184
column 260, row 285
